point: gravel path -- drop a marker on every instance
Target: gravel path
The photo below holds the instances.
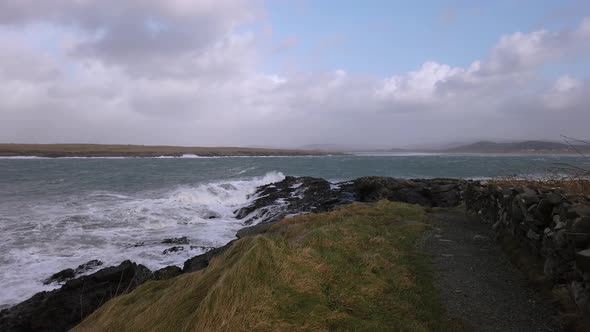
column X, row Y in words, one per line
column 478, row 284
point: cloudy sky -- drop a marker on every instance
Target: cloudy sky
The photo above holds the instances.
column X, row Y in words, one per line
column 293, row 72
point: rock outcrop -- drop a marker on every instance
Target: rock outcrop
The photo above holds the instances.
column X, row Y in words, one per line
column 553, row 225
column 426, row 192
column 293, row 195
column 63, row 308
column 67, row 274
column 200, row 262
column 296, row 195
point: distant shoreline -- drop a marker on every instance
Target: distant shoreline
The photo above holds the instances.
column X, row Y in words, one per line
column 143, row 151
column 146, row 151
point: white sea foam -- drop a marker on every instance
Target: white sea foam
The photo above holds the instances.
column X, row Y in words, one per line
column 111, row 227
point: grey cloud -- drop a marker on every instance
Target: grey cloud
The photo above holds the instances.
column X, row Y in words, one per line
column 192, row 77
column 142, row 36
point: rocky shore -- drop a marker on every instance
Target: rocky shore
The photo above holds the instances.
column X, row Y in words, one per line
column 79, row 296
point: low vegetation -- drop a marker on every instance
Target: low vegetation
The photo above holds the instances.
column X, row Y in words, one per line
column 355, row 268
column 573, row 185
column 102, row 150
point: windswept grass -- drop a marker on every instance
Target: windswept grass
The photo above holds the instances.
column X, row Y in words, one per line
column 355, row 268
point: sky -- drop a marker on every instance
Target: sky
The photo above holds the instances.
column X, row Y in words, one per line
column 288, row 73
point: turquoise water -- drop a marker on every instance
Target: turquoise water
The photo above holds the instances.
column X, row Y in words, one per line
column 59, row 213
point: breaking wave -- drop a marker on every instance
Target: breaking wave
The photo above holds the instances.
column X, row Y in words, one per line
column 113, row 227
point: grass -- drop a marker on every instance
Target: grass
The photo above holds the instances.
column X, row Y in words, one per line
column 574, row 185
column 102, row 150
column 353, row 269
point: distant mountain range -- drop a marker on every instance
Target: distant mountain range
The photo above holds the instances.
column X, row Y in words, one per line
column 518, row 147
column 532, row 146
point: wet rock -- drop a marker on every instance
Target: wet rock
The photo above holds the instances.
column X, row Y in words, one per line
column 63, row 308
column 254, row 230
column 211, row 215
column 203, row 248
column 88, row 266
column 61, row 276
column 67, row 274
column 173, row 250
column 167, row 273
column 200, row 262
column 177, row 240
column 294, row 195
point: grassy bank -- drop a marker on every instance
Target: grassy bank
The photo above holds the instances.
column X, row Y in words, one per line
column 352, row 269
column 102, row 150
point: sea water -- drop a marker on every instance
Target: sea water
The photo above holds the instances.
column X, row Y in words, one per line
column 59, row 213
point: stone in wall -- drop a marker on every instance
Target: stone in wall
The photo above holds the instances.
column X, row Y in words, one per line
column 553, row 225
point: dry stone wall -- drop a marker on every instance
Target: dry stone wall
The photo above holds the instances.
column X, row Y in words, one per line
column 553, row 225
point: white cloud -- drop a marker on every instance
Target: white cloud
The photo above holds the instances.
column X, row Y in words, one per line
column 186, row 72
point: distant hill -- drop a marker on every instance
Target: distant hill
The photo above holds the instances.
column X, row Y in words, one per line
column 101, row 150
column 516, row 147
column 335, row 148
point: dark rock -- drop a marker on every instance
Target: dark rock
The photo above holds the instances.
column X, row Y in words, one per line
column 61, row 276
column 578, row 211
column 173, row 250
column 581, row 225
column 294, row 195
column 63, row 308
column 533, row 235
column 202, row 261
column 579, row 240
column 555, row 267
column 167, row 273
column 529, row 198
column 580, row 294
column 88, row 266
column 177, row 240
column 255, row 230
column 553, row 225
column 67, row 274
column 544, row 212
column 583, row 260
column 203, row 248
column 554, row 198
column 370, row 189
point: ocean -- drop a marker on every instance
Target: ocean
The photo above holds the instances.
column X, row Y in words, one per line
column 59, row 213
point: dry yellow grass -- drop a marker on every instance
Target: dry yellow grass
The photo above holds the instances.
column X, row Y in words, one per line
column 352, row 269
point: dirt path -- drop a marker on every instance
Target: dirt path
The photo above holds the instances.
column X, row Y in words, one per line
column 478, row 284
